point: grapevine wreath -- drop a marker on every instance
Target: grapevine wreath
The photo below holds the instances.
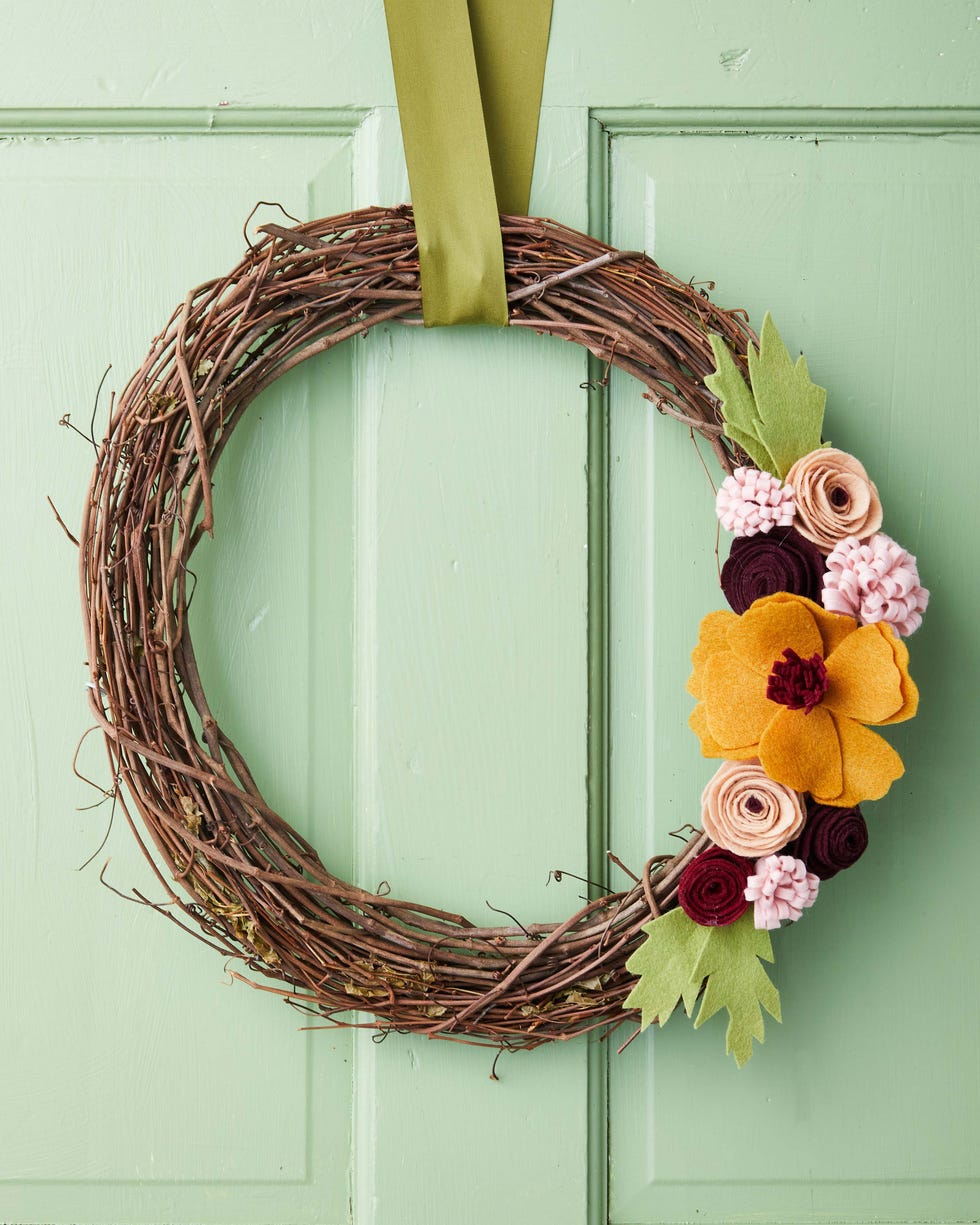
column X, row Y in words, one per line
column 785, row 683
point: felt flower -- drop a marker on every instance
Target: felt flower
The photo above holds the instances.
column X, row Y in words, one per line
column 751, row 501
column 711, row 890
column 782, row 560
column 834, row 498
column 781, row 888
column 833, row 839
column 794, row 685
column 875, row 581
column 745, row 812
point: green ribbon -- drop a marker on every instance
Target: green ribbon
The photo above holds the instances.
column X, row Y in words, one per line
column 468, row 79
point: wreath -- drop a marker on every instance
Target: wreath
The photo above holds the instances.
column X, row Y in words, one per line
column 785, row 683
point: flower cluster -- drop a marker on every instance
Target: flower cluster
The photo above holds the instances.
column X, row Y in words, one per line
column 816, row 535
column 789, row 684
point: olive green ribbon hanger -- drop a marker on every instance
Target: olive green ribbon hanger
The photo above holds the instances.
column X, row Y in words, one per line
column 468, row 77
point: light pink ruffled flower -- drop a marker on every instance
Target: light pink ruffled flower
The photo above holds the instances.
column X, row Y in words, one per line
column 876, row 581
column 751, row 501
column 781, row 888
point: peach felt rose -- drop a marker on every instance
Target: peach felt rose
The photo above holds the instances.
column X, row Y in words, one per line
column 745, row 812
column 834, row 498
column 793, row 685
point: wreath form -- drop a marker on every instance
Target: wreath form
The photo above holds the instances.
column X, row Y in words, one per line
column 258, row 890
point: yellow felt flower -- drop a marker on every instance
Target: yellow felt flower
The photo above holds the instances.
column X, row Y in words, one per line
column 794, row 685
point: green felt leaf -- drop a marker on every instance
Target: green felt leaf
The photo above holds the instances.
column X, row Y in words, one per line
column 790, row 406
column 738, row 407
column 781, row 417
column 738, row 983
column 665, row 965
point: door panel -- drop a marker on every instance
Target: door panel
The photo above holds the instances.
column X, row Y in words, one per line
column 139, row 1083
column 862, row 1104
column 471, row 713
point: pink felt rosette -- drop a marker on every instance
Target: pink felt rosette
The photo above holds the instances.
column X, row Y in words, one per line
column 781, row 889
column 750, row 501
column 875, row 581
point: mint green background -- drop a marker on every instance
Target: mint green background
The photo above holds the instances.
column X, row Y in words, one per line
column 396, row 617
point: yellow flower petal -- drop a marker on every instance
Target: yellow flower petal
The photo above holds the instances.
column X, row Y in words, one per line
column 765, row 630
column 803, row 751
column 862, row 679
column 910, row 692
column 735, row 702
column 710, row 747
column 713, row 637
column 871, row 765
column 833, row 627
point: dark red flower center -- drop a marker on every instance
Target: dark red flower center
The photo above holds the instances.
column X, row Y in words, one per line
column 797, row 683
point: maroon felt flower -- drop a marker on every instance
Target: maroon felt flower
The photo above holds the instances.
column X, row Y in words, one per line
column 831, row 840
column 712, row 887
column 781, row 560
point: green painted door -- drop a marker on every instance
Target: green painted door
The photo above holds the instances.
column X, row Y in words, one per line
column 397, row 607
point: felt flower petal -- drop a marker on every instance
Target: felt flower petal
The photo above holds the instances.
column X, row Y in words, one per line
column 761, row 635
column 862, row 679
column 870, row 764
column 834, row 627
column 735, row 697
column 713, row 637
column 803, row 751
column 910, row 692
column 698, row 723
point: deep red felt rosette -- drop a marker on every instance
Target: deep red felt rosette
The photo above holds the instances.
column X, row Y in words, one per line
column 778, row 560
column 712, row 887
column 831, row 840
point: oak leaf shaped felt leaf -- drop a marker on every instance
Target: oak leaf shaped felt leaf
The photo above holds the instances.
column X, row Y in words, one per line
column 664, row 964
column 781, row 417
column 738, row 982
column 825, row 749
column 679, row 955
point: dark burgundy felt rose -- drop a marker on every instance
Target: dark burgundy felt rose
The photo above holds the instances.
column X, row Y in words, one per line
column 778, row 560
column 712, row 887
column 832, row 839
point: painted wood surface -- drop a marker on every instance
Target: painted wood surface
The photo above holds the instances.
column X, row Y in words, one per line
column 396, row 618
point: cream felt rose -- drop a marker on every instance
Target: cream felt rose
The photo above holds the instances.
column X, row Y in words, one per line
column 745, row 812
column 834, row 498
